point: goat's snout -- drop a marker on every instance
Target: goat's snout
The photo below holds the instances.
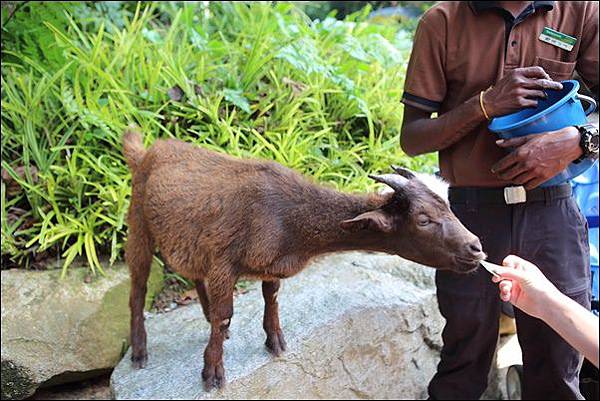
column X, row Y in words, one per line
column 470, row 253
column 474, row 247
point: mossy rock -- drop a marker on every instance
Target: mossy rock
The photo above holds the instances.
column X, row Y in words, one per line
column 58, row 330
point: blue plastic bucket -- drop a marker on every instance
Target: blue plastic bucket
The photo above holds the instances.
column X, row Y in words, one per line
column 560, row 109
column 586, row 194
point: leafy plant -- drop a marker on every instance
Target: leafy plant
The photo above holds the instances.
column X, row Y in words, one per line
column 249, row 79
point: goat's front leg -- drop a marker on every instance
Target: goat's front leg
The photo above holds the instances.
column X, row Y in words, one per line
column 275, row 341
column 220, row 297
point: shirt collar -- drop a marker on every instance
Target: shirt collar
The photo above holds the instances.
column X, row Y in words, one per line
column 479, row 6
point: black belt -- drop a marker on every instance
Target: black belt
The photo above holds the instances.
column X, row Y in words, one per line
column 508, row 195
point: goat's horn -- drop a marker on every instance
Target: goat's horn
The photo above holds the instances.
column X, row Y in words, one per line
column 404, row 172
column 394, row 181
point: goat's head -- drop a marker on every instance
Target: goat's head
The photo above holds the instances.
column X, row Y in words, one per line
column 416, row 223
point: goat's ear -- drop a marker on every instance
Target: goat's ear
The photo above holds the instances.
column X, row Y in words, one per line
column 375, row 220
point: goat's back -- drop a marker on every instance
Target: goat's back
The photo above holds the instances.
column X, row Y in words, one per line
column 199, row 203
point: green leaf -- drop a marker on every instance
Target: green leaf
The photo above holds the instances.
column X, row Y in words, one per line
column 236, row 97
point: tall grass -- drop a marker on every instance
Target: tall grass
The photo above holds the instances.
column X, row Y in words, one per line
column 251, row 80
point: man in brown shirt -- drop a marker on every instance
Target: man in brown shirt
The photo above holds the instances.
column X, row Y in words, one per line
column 473, row 61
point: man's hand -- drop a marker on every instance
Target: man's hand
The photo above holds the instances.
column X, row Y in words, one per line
column 518, row 89
column 538, row 157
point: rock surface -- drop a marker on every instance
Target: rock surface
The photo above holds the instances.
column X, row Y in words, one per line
column 55, row 331
column 357, row 325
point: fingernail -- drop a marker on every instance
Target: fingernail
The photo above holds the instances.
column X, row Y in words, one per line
column 500, row 141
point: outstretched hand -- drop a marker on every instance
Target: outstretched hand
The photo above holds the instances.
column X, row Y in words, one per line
column 525, row 286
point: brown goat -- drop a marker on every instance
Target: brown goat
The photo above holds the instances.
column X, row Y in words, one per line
column 216, row 218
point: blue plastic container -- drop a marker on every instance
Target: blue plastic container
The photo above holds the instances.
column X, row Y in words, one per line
column 560, row 109
column 585, row 192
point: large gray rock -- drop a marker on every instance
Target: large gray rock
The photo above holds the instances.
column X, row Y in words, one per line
column 357, row 326
column 58, row 330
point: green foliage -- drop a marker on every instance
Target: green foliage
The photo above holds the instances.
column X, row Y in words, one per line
column 251, row 80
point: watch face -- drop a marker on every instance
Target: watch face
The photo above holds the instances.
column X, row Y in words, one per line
column 593, row 143
column 589, row 140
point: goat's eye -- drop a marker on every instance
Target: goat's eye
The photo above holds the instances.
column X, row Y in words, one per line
column 423, row 220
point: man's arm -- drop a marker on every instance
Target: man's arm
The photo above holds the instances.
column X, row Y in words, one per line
column 520, row 88
column 423, row 134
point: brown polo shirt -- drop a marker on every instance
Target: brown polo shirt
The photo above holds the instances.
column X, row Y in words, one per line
column 462, row 48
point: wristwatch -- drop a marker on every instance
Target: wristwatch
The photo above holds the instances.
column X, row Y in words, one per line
column 588, row 142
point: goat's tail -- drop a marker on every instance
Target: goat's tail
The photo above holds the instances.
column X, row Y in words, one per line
column 133, row 147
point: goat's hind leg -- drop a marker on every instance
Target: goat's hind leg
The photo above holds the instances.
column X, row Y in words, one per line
column 203, row 297
column 275, row 341
column 138, row 255
column 220, row 296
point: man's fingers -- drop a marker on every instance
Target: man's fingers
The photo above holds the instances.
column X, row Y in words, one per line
column 527, row 103
column 523, row 178
column 516, row 170
column 533, row 72
column 535, row 94
column 542, row 84
column 534, row 183
column 513, row 142
column 504, row 163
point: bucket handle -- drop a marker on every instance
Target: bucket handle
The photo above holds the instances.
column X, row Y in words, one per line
column 592, row 103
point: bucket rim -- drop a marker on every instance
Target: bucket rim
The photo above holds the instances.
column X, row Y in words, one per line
column 496, row 121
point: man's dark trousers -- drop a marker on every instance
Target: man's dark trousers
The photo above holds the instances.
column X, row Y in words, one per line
column 551, row 233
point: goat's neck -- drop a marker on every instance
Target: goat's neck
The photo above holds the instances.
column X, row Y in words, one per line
column 319, row 218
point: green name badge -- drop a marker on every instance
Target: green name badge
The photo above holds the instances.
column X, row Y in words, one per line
column 558, row 39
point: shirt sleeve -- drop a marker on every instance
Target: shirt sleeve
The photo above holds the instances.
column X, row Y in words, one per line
column 425, row 83
column 587, row 60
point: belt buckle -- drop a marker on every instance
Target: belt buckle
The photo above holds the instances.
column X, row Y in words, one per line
column 513, row 195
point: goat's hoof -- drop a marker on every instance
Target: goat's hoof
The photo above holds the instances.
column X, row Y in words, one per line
column 139, row 361
column 226, row 334
column 276, row 343
column 213, row 376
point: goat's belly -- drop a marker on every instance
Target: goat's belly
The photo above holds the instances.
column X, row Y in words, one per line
column 282, row 268
column 185, row 262
column 263, row 276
